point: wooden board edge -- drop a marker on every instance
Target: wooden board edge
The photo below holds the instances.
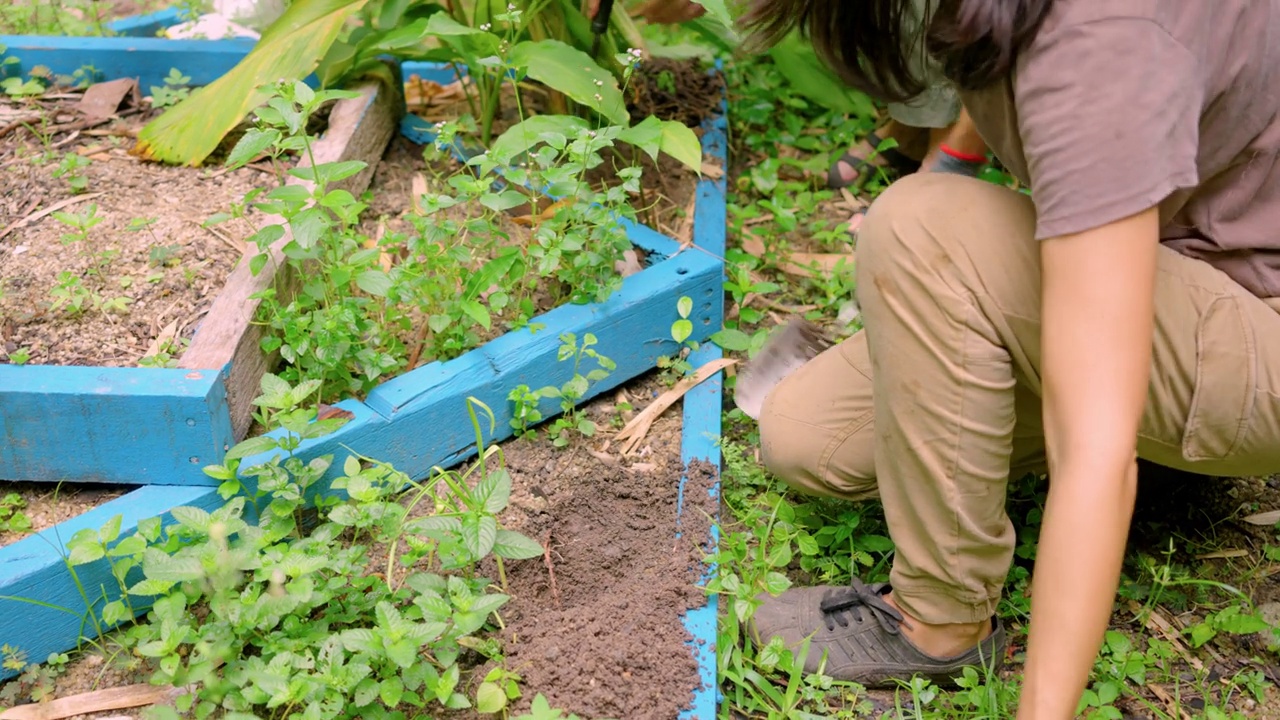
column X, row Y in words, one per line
column 702, row 412
column 33, row 571
column 189, row 405
column 148, row 59
column 227, row 338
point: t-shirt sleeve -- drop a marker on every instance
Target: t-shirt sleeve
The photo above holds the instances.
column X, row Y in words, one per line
column 1108, row 112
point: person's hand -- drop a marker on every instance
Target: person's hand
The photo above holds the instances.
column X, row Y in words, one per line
column 664, row 12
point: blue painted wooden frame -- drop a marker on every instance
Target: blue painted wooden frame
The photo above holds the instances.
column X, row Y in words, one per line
column 426, row 405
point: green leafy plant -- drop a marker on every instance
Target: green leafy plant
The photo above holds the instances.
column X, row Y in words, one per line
column 264, row 606
column 679, row 366
column 12, row 517
column 71, row 169
column 524, row 408
column 576, row 387
column 80, row 222
column 174, row 90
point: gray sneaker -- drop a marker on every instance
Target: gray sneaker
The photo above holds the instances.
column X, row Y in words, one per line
column 858, row 632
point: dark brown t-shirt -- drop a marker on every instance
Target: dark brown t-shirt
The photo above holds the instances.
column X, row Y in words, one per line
column 1119, row 105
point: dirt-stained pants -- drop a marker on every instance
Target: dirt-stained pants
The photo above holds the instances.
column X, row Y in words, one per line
column 936, row 405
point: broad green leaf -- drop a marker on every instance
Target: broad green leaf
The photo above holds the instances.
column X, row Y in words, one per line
column 490, row 699
column 681, row 330
column 476, row 312
column 374, row 282
column 681, row 143
column 391, row 691
column 645, row 135
column 572, row 72
column 192, row 517
column 254, row 143
column 494, row 491
column 718, row 11
column 731, row 339
column 289, row 49
column 251, row 446
column 514, row 546
column 684, row 306
column 523, row 136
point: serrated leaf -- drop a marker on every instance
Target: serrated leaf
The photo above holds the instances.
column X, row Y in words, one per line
column 252, row 446
column 374, row 282
column 391, row 690
column 254, row 143
column 477, row 312
column 288, row 49
column 732, row 340
column 514, row 546
column 494, row 491
column 191, row 517
column 524, row 135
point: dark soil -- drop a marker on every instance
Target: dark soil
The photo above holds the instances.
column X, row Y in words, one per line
column 596, row 625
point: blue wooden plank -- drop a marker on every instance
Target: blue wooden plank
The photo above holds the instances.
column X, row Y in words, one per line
column 34, row 570
column 425, row 410
column 703, row 405
column 148, row 59
column 148, row 25
column 117, row 425
column 415, row 422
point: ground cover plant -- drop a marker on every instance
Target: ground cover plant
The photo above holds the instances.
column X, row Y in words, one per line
column 1193, row 634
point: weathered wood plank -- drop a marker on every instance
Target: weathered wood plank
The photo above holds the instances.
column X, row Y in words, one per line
column 147, row 58
column 227, row 339
column 115, row 425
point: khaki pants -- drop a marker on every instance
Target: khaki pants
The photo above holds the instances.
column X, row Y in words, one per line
column 937, row 403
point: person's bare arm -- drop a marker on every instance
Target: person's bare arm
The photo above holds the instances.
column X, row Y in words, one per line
column 1098, row 289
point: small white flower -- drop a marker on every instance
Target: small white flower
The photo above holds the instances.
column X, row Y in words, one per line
column 511, row 7
column 599, row 83
column 485, row 26
column 598, row 97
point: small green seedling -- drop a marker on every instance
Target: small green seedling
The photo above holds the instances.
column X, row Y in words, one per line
column 12, row 519
column 173, row 91
column 524, row 409
column 80, row 223
column 576, row 387
column 72, row 170
column 679, row 365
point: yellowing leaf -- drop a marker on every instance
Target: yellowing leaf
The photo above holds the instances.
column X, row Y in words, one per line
column 289, row 50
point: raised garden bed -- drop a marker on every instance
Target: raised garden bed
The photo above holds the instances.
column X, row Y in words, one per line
column 409, row 421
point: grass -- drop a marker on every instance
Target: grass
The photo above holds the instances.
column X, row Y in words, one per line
column 1186, row 639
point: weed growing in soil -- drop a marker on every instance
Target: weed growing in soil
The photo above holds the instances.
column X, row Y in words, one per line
column 12, row 517
column 576, row 387
column 173, row 91
column 35, row 681
column 71, row 169
column 267, row 606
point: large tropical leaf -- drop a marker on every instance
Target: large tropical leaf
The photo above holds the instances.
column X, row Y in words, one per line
column 572, row 72
column 288, row 50
column 815, row 81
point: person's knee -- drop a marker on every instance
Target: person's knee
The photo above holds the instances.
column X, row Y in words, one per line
column 784, row 448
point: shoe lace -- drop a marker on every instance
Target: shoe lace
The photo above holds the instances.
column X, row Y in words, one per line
column 838, row 605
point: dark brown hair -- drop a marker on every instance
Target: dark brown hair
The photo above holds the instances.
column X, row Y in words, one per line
column 866, row 44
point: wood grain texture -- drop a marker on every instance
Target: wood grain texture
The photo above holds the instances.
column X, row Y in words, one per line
column 111, row 425
column 227, row 339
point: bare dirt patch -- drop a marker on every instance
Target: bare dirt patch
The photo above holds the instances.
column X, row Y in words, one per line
column 106, row 295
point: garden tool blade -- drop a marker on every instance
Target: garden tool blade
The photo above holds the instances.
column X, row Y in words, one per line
column 796, row 344
column 599, row 25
